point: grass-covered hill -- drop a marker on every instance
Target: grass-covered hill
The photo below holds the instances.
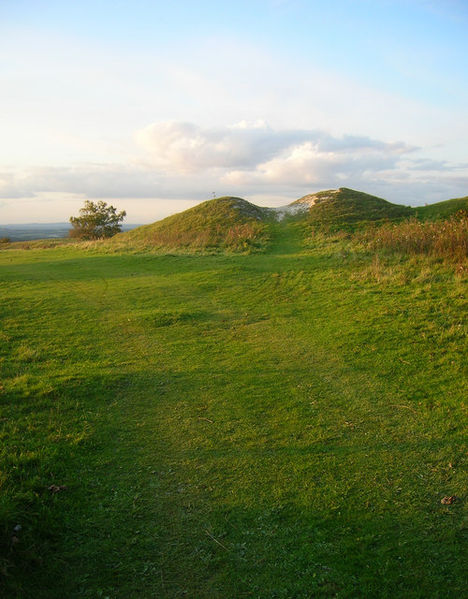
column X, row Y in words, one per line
column 236, row 225
column 227, row 223
column 441, row 210
column 342, row 208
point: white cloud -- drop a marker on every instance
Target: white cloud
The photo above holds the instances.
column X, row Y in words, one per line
column 183, row 161
column 185, row 147
column 182, row 158
column 312, row 162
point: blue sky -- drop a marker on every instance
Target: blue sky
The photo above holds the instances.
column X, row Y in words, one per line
column 153, row 106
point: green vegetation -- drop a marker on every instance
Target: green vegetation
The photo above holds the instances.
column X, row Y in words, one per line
column 37, row 244
column 442, row 210
column 281, row 424
column 348, row 209
column 226, row 223
column 97, row 220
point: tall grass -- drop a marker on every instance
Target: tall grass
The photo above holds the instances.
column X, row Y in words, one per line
column 244, row 237
column 447, row 239
column 240, row 236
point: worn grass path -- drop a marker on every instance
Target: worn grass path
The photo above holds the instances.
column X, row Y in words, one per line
column 274, row 425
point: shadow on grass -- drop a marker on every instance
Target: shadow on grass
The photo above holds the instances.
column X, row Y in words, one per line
column 146, row 514
column 57, row 440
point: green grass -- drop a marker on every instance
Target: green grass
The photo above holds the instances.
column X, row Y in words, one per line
column 442, row 210
column 38, row 244
column 347, row 209
column 228, row 223
column 275, row 425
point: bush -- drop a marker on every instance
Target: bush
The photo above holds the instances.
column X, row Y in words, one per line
column 97, row 220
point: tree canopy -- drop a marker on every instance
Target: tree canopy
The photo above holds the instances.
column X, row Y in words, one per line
column 96, row 221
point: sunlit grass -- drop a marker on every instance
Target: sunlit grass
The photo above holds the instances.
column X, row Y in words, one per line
column 445, row 239
column 279, row 424
column 226, row 224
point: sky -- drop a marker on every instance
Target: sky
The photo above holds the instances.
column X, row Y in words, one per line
column 155, row 106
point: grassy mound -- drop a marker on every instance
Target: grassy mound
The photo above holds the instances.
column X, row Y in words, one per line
column 346, row 208
column 227, row 223
column 442, row 210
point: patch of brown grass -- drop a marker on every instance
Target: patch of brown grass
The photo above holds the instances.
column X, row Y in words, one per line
column 447, row 239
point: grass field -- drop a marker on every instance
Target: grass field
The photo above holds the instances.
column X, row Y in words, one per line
column 275, row 425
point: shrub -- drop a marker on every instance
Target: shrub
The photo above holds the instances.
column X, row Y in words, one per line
column 96, row 221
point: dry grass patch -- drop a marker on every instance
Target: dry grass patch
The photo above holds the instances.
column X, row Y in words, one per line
column 447, row 239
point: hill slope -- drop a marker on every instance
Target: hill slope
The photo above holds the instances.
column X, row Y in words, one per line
column 227, row 223
column 234, row 224
column 343, row 206
column 442, row 209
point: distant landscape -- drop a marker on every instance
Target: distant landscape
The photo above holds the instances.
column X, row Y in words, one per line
column 31, row 231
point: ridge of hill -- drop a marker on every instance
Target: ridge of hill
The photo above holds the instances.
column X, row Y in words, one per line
column 443, row 209
column 229, row 223
column 234, row 224
column 348, row 207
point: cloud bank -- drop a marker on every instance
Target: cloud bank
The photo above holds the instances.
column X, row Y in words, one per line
column 181, row 160
column 248, row 147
